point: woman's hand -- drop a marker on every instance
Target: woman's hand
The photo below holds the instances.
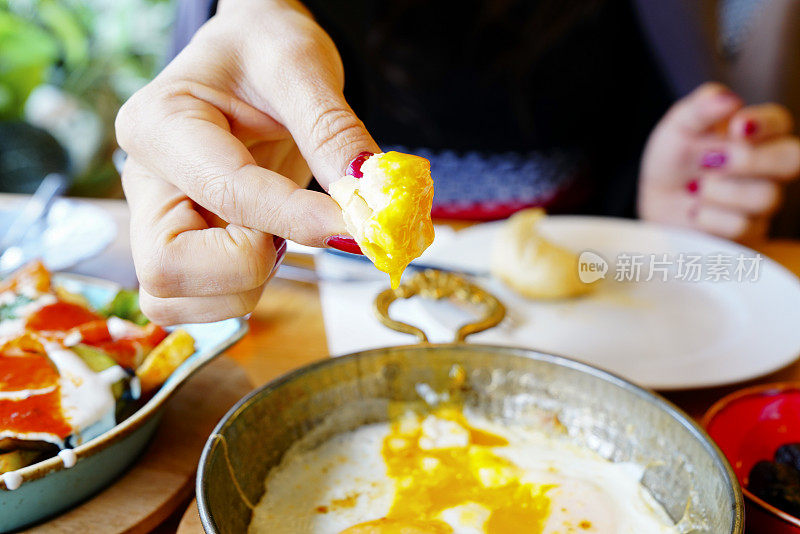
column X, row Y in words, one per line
column 220, row 146
column 717, row 166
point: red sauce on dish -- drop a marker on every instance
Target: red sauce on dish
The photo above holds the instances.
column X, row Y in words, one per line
column 38, row 413
column 126, row 351
column 29, row 371
column 60, row 316
column 94, row 332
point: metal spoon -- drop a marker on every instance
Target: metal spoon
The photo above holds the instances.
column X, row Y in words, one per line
column 34, row 210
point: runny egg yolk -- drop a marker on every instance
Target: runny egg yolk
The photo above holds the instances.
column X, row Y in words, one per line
column 430, row 481
column 388, row 209
column 401, row 231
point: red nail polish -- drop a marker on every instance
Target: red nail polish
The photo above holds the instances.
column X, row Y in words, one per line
column 345, row 243
column 280, row 248
column 354, row 169
column 693, row 186
column 714, row 159
column 280, row 251
column 750, row 128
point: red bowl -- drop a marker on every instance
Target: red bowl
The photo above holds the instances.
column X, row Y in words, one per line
column 749, row 425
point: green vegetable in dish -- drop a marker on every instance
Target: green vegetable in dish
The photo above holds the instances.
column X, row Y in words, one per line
column 98, row 360
column 9, row 311
column 125, row 305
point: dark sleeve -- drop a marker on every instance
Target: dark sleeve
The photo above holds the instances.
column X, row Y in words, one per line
column 191, row 14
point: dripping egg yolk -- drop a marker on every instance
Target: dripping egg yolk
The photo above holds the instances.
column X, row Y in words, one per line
column 387, row 209
column 446, row 473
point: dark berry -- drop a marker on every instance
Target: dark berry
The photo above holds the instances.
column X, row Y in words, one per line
column 777, row 484
column 789, row 454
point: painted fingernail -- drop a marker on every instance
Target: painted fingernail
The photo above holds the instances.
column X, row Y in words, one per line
column 750, row 128
column 280, row 251
column 693, row 186
column 345, row 243
column 280, row 248
column 354, row 169
column 714, row 159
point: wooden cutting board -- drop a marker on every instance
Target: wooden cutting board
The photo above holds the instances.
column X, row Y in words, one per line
column 163, row 479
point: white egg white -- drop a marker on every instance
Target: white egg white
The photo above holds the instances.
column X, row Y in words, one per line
column 589, row 494
column 361, row 198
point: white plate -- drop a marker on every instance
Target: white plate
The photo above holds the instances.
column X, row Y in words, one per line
column 73, row 231
column 664, row 335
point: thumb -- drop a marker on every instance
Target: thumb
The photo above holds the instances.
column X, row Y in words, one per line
column 302, row 86
column 704, row 108
column 328, row 134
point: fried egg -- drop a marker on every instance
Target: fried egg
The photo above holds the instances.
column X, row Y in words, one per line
column 447, row 472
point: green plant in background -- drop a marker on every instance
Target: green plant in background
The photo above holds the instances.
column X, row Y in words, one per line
column 65, row 67
column 27, row 53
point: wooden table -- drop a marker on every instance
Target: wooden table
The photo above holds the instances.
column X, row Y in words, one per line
column 287, row 331
column 290, row 312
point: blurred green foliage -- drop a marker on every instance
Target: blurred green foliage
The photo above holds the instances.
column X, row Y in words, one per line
column 27, row 53
column 97, row 53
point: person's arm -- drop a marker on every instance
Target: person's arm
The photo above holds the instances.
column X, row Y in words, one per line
column 220, row 146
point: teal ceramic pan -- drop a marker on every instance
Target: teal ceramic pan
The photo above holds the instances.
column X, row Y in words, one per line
column 48, row 487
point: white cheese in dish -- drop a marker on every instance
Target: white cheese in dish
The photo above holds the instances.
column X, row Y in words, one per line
column 22, row 394
column 86, row 396
column 121, row 329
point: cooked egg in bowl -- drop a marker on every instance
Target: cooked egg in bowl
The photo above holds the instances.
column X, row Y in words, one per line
column 451, row 472
column 461, row 438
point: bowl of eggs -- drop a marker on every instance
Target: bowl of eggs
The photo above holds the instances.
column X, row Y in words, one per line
column 457, row 437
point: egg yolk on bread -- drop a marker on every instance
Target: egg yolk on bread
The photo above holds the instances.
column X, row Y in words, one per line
column 388, row 209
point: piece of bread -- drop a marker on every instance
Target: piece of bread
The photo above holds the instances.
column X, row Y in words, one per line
column 388, row 209
column 533, row 266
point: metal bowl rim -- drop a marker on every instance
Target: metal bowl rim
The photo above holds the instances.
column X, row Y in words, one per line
column 698, row 432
